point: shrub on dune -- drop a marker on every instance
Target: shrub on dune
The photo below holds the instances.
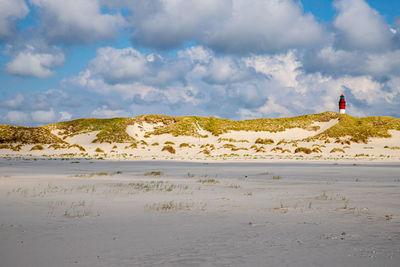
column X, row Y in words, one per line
column 37, row 147
column 170, row 149
column 303, row 150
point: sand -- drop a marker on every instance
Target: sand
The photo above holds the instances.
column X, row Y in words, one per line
column 122, row 213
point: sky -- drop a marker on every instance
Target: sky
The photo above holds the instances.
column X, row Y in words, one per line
column 237, row 59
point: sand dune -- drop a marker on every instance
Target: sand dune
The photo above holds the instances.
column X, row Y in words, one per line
column 167, row 138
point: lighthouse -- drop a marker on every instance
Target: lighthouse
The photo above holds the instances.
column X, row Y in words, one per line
column 342, row 105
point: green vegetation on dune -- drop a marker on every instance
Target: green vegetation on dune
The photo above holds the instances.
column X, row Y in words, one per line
column 114, row 130
column 183, row 126
column 361, row 129
column 219, row 126
column 27, row 135
column 189, row 125
column 110, row 130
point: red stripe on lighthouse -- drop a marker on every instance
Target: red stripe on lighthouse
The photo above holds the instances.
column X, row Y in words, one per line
column 342, row 103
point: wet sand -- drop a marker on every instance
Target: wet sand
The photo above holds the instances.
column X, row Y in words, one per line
column 125, row 213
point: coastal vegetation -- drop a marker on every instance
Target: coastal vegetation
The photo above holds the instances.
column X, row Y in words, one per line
column 348, row 129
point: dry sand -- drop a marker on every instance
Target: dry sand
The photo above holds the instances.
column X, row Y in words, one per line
column 109, row 213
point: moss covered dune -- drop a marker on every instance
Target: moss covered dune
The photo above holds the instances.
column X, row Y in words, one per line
column 114, row 130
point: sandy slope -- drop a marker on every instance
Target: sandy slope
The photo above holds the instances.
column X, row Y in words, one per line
column 234, row 145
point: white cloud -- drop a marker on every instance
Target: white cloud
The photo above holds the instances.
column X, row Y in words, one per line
column 106, row 112
column 65, row 116
column 119, row 65
column 33, row 62
column 228, row 86
column 342, row 62
column 16, row 117
column 169, row 23
column 44, row 116
column 265, row 26
column 238, row 26
column 78, row 21
column 10, row 11
column 16, row 102
column 359, row 26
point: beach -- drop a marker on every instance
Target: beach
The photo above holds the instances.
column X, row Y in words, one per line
column 87, row 212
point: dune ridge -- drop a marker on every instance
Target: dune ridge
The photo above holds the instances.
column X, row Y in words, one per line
column 327, row 135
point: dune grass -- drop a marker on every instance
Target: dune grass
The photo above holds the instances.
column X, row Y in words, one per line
column 219, row 126
column 336, row 150
column 114, row 130
column 361, row 129
column 169, row 148
column 110, row 130
column 27, row 135
column 266, row 141
column 37, row 147
column 303, row 150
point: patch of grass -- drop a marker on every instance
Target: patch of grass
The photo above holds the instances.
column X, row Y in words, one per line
column 393, row 147
column 99, row 150
column 161, row 186
column 208, row 181
column 90, row 175
column 232, row 140
column 10, row 146
column 58, row 146
column 153, row 173
column 144, row 143
column 323, row 196
column 282, row 142
column 131, row 146
column 169, row 143
column 276, row 149
column 205, row 151
column 182, row 126
column 264, row 141
column 336, row 150
column 81, row 148
column 260, row 149
column 37, row 147
column 184, row 145
column 155, row 144
column 238, row 148
column 316, row 150
column 229, row 146
column 361, row 129
column 173, row 206
column 276, row 177
column 303, row 150
column 168, row 148
column 27, row 135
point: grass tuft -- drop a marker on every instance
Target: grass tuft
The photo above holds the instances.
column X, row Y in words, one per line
column 168, row 148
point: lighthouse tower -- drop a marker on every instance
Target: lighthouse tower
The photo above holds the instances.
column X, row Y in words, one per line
column 342, row 105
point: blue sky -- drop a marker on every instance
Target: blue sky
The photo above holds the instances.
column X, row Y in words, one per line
column 236, row 59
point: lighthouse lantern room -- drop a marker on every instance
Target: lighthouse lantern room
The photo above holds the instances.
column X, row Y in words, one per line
column 342, row 105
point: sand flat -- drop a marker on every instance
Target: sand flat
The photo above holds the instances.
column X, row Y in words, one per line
column 125, row 213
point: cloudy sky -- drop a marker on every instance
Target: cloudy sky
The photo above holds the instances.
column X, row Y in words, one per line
column 237, row 59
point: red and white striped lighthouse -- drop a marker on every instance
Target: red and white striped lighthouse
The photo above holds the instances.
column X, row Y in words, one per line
column 342, row 105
